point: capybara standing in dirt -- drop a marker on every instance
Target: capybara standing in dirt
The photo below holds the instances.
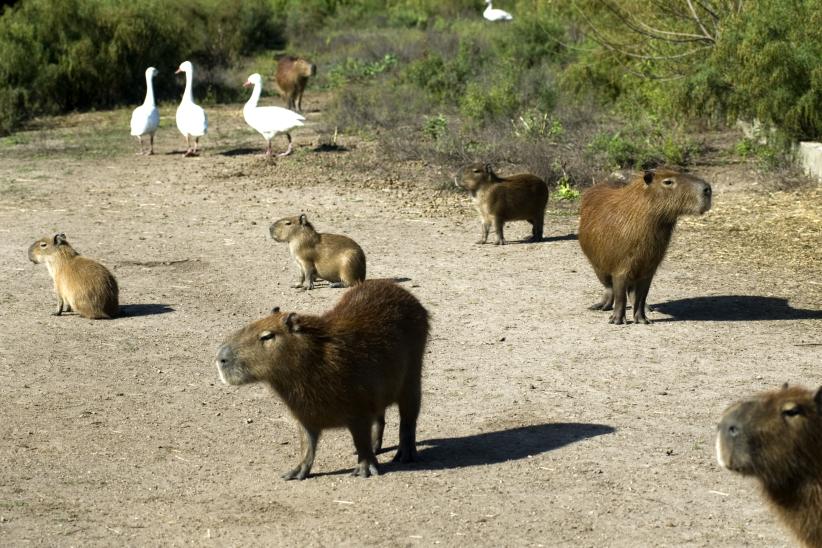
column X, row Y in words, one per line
column 82, row 285
column 292, row 77
column 624, row 230
column 333, row 257
column 501, row 199
column 777, row 438
column 341, row 369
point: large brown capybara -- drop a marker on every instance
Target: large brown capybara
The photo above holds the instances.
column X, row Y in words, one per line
column 776, row 437
column 81, row 284
column 625, row 229
column 292, row 77
column 341, row 369
column 498, row 199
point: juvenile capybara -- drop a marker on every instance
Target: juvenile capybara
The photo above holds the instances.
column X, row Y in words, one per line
column 624, row 230
column 777, row 438
column 81, row 284
column 292, row 77
column 333, row 257
column 341, row 369
column 498, row 199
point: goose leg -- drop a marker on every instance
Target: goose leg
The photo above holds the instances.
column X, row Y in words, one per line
column 268, row 149
column 151, row 144
column 188, row 146
column 288, row 150
column 196, row 142
column 140, row 139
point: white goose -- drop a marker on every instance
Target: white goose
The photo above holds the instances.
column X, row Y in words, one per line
column 191, row 119
column 146, row 117
column 269, row 121
column 493, row 14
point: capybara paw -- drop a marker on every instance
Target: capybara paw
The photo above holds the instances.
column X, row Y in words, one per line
column 298, row 473
column 596, row 306
column 617, row 320
column 643, row 320
column 365, row 469
column 479, row 242
column 297, row 285
column 404, row 455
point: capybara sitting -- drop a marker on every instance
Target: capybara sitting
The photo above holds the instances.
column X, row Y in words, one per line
column 624, row 230
column 501, row 199
column 81, row 285
column 341, row 369
column 777, row 438
column 333, row 257
column 292, row 77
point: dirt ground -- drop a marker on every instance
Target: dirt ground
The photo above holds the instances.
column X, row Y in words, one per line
column 541, row 425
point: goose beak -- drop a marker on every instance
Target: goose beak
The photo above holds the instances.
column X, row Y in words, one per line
column 247, row 84
column 178, row 71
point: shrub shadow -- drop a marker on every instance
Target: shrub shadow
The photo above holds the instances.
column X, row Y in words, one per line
column 148, row 309
column 733, row 308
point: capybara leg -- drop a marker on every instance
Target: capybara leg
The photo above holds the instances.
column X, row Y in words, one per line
column 309, row 275
column 300, row 102
column 59, row 310
column 536, row 231
column 308, row 444
column 485, row 227
column 366, row 460
column 640, row 296
column 499, row 224
column 618, row 316
column 377, row 430
column 607, row 301
column 409, row 407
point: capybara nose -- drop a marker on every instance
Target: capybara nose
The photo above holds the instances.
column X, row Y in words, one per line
column 225, row 356
column 732, row 430
column 707, row 191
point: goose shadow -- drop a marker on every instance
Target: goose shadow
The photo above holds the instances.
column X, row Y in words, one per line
column 490, row 447
column 733, row 308
column 146, row 309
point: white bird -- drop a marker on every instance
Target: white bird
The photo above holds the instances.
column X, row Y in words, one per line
column 269, row 121
column 493, row 14
column 146, row 117
column 191, row 119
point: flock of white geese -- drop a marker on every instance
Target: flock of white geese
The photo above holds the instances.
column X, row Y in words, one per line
column 192, row 120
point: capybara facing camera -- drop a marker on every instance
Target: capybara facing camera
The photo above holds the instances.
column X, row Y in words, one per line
column 776, row 437
column 82, row 285
column 333, row 257
column 340, row 369
column 625, row 229
column 498, row 199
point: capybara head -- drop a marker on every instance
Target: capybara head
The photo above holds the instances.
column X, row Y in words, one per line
column 775, row 436
column 671, row 193
column 474, row 176
column 288, row 227
column 304, row 68
column 261, row 349
column 45, row 247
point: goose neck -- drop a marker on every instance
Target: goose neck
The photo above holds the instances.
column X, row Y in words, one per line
column 188, row 95
column 149, row 91
column 255, row 96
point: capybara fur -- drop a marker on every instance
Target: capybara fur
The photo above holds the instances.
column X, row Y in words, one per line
column 292, row 77
column 776, row 437
column 498, row 199
column 340, row 369
column 625, row 229
column 333, row 257
column 81, row 285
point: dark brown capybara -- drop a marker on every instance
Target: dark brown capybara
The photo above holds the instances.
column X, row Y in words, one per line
column 292, row 77
column 340, row 369
column 333, row 257
column 776, row 437
column 625, row 229
column 81, row 284
column 498, row 199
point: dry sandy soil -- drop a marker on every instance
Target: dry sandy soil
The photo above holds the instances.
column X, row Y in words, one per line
column 541, row 424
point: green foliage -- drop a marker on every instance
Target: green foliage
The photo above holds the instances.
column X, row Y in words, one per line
column 435, row 127
column 564, row 190
column 642, row 147
column 534, row 124
column 357, row 70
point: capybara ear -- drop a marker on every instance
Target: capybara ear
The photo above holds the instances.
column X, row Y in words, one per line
column 292, row 322
column 817, row 398
column 785, row 386
column 275, row 309
column 59, row 238
column 648, row 177
column 303, row 219
column 488, row 168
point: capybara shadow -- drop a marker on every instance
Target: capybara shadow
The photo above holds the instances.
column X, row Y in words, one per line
column 733, row 308
column 144, row 309
column 545, row 240
column 241, row 151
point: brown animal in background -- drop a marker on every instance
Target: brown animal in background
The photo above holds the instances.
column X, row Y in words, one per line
column 777, row 438
column 341, row 369
column 625, row 229
column 292, row 77
column 333, row 257
column 81, row 284
column 501, row 199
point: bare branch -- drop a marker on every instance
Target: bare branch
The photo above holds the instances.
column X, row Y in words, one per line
column 699, row 21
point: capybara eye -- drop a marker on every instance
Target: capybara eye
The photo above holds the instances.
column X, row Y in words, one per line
column 266, row 335
column 288, row 223
column 792, row 411
column 668, row 182
column 43, row 244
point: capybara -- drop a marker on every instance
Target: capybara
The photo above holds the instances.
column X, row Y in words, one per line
column 624, row 230
column 292, row 76
column 333, row 257
column 501, row 199
column 777, row 438
column 82, row 285
column 341, row 369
